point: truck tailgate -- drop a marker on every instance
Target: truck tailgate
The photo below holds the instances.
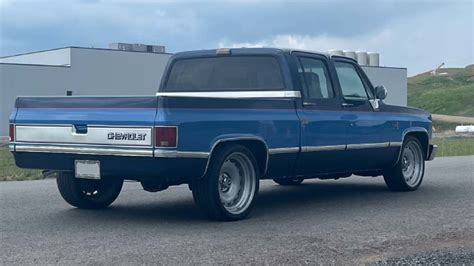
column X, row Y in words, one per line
column 85, row 125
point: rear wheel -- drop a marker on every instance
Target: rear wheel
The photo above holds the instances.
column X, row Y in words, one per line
column 88, row 194
column 289, row 181
column 408, row 173
column 227, row 191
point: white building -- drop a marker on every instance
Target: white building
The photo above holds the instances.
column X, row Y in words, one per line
column 393, row 78
column 116, row 71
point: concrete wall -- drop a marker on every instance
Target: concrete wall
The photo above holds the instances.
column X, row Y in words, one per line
column 56, row 57
column 394, row 79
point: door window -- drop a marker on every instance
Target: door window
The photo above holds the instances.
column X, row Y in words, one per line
column 314, row 78
column 352, row 85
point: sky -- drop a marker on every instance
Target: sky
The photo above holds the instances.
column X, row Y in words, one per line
column 418, row 35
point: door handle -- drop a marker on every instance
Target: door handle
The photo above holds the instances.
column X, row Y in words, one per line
column 347, row 104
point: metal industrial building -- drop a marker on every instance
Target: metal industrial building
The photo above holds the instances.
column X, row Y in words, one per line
column 123, row 69
column 79, row 71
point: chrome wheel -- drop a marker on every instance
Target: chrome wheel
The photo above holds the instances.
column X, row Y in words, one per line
column 412, row 164
column 237, row 183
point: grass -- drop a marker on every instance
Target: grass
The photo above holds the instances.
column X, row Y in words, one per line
column 454, row 146
column 10, row 172
column 440, row 126
column 451, row 94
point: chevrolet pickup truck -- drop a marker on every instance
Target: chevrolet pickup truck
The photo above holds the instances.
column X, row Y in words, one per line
column 223, row 120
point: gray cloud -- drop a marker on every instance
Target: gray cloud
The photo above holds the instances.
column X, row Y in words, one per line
column 34, row 25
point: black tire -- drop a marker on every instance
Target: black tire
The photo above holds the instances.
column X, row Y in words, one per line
column 88, row 194
column 396, row 179
column 208, row 192
column 289, row 181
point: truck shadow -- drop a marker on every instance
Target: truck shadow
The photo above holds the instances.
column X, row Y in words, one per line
column 273, row 201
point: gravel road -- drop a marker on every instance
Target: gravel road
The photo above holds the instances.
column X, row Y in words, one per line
column 354, row 220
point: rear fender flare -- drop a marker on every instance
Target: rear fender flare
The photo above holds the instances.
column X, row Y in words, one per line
column 236, row 138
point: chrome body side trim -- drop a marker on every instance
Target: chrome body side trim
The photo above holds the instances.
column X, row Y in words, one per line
column 180, row 154
column 396, row 144
column 283, row 150
column 81, row 149
column 169, row 153
column 323, row 148
column 233, row 94
column 367, row 146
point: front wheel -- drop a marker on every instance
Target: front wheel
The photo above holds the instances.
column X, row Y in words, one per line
column 86, row 193
column 408, row 173
column 227, row 191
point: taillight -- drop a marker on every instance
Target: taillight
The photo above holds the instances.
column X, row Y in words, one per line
column 166, row 137
column 12, row 132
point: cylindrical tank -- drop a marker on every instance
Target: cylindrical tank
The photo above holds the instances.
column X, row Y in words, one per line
column 465, row 129
column 362, row 58
column 336, row 52
column 350, row 54
column 374, row 59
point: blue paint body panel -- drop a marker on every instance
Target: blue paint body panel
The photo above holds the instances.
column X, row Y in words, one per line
column 200, row 129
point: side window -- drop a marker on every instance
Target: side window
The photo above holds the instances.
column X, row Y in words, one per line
column 351, row 84
column 314, row 78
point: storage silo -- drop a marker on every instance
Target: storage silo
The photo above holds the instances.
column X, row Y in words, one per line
column 350, row 54
column 336, row 52
column 374, row 59
column 362, row 58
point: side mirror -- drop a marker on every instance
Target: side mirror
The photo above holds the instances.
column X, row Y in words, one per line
column 380, row 92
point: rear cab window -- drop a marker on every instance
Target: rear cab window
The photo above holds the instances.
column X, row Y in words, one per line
column 226, row 73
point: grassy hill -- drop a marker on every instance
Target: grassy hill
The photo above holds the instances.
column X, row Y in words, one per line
column 450, row 94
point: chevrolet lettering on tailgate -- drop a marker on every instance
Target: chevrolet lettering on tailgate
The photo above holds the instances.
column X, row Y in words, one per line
column 223, row 120
column 125, row 136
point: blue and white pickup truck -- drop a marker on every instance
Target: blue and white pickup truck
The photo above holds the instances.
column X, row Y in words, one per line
column 221, row 121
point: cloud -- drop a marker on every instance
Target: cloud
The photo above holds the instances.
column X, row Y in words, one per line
column 319, row 43
column 403, row 31
column 419, row 43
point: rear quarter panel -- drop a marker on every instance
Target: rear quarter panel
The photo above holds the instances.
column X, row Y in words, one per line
column 203, row 122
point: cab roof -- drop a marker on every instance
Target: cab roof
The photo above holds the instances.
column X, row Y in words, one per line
column 244, row 51
column 250, row 51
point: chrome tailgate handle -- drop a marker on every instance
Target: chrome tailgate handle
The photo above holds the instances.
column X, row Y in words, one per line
column 80, row 129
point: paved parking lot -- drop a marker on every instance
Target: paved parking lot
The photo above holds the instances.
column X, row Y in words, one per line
column 353, row 220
